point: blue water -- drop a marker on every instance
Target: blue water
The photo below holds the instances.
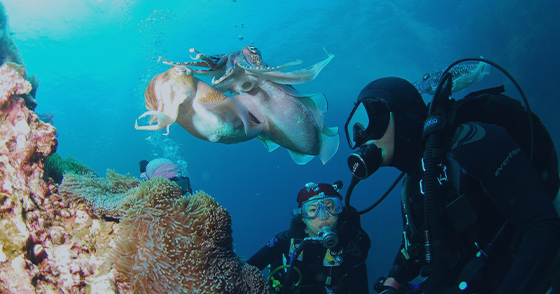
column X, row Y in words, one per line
column 94, row 59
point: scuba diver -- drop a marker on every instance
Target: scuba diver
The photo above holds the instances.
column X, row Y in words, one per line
column 163, row 167
column 324, row 251
column 483, row 222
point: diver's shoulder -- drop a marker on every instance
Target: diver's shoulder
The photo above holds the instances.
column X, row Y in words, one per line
column 472, row 134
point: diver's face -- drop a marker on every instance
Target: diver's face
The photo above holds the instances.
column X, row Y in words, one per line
column 314, row 225
column 386, row 143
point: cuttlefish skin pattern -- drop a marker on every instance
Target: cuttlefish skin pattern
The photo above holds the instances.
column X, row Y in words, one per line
column 294, row 121
column 177, row 96
column 462, row 76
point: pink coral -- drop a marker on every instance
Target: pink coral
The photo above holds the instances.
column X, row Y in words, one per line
column 25, row 141
column 12, row 81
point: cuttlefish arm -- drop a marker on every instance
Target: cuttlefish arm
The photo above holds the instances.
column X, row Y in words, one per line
column 294, row 77
column 164, row 94
column 210, row 71
column 163, row 120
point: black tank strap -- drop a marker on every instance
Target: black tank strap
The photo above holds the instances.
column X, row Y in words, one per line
column 494, row 90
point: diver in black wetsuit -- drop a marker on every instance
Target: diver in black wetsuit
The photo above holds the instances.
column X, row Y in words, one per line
column 499, row 228
column 326, row 243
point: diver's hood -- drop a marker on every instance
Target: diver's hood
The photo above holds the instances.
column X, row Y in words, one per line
column 409, row 113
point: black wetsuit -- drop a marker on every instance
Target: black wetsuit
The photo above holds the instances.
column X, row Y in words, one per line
column 347, row 275
column 500, row 189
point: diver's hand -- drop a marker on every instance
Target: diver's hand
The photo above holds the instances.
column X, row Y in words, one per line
column 387, row 286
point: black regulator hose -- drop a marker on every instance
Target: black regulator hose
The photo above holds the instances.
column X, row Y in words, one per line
column 355, row 181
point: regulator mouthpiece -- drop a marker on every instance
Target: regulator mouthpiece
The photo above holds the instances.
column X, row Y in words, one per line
column 329, row 239
column 365, row 161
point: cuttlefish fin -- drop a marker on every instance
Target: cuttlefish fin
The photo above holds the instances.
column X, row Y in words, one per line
column 269, row 145
column 330, row 141
column 318, row 100
column 317, row 104
column 294, row 77
column 163, row 121
column 299, row 158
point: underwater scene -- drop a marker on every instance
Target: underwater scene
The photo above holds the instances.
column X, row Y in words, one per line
column 249, row 100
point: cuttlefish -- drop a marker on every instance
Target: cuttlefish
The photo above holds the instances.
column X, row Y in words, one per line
column 277, row 114
column 462, row 76
column 177, row 96
column 240, row 71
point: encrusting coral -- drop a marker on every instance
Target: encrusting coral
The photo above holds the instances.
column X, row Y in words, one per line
column 25, row 140
column 9, row 54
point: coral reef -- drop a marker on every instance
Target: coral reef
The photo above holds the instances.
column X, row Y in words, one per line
column 59, row 249
column 36, row 252
column 25, row 141
column 164, row 242
column 56, row 243
column 56, row 166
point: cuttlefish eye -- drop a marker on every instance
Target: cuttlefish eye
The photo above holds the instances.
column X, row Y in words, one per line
column 253, row 50
column 183, row 70
column 426, row 76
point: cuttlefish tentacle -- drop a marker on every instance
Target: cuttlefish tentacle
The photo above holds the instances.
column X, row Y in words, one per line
column 220, row 67
column 196, row 63
column 213, row 61
column 294, row 77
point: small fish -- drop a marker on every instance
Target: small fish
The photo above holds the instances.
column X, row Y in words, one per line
column 461, row 75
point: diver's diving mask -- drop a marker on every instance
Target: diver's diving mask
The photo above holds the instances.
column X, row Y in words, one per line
column 320, row 206
column 368, row 121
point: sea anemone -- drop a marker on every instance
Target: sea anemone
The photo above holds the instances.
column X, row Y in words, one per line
column 171, row 243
